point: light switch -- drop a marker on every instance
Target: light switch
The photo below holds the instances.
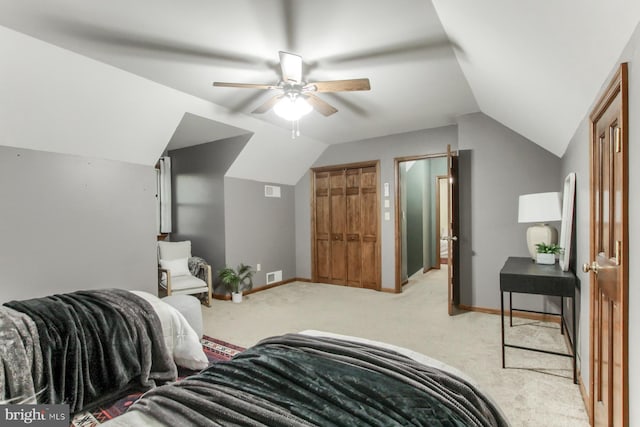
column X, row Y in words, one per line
column 387, row 204
column 387, row 216
column 386, row 189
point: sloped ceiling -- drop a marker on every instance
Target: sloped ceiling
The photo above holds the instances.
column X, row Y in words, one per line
column 52, row 99
column 533, row 66
column 196, row 130
column 536, row 66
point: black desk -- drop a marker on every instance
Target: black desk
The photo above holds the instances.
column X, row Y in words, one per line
column 522, row 275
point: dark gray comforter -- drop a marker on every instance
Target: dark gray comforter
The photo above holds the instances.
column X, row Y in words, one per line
column 95, row 344
column 298, row 380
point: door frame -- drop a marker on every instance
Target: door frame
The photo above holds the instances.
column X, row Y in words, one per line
column 619, row 85
column 398, row 210
column 313, row 171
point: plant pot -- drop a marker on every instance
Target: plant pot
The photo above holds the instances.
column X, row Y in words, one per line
column 236, row 297
column 545, row 258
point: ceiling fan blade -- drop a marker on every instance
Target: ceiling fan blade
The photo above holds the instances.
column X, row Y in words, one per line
column 267, row 105
column 145, row 45
column 245, row 85
column 320, row 106
column 291, row 66
column 339, row 85
column 419, row 49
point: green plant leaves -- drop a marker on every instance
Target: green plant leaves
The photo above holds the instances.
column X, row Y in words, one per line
column 543, row 248
column 237, row 279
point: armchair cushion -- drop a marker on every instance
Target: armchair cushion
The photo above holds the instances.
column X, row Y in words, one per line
column 177, row 267
column 174, row 250
column 180, row 284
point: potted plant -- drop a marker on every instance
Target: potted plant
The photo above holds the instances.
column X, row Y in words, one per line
column 237, row 280
column 546, row 254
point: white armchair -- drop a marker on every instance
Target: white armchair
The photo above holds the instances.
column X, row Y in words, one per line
column 180, row 273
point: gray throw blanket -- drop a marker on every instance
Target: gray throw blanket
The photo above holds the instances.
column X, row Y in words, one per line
column 198, row 267
column 96, row 344
column 297, row 380
column 20, row 358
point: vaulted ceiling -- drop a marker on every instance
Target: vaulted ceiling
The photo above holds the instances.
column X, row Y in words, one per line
column 533, row 66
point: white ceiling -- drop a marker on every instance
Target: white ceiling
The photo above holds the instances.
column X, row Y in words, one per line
column 534, row 66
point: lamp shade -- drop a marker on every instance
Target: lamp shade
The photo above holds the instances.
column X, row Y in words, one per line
column 539, row 207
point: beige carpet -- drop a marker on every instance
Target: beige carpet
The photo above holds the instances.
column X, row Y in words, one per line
column 535, row 389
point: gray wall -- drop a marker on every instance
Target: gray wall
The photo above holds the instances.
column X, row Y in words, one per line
column 415, row 189
column 302, row 225
column 199, row 197
column 576, row 159
column 402, row 171
column 496, row 166
column 70, row 223
column 384, row 149
column 259, row 229
column 503, row 165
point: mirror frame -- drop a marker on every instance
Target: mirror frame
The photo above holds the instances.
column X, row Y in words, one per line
column 568, row 200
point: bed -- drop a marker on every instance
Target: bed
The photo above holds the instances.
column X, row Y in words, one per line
column 84, row 347
column 319, row 378
column 87, row 347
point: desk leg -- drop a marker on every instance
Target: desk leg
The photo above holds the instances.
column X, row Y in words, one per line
column 502, row 323
column 510, row 309
column 574, row 341
column 561, row 315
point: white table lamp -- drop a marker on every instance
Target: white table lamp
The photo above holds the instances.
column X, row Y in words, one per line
column 539, row 208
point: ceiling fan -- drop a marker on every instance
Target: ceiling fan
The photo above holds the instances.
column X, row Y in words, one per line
column 296, row 96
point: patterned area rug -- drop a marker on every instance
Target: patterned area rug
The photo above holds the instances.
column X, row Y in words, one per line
column 216, row 351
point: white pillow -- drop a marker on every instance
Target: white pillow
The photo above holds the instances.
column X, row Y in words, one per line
column 177, row 267
column 180, row 338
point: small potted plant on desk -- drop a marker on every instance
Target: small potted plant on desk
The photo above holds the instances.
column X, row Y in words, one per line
column 546, row 254
column 237, row 280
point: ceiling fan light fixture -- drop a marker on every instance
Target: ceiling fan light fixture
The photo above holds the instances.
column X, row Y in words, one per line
column 292, row 108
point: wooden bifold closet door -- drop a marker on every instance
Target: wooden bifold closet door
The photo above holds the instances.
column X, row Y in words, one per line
column 345, row 225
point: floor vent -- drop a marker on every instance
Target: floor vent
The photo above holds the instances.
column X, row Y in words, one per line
column 274, row 276
column 271, row 191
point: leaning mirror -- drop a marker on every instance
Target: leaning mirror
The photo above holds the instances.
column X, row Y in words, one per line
column 566, row 228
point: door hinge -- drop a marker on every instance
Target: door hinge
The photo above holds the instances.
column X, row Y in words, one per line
column 618, row 251
column 618, row 140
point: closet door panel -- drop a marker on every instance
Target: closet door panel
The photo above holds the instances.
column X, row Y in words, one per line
column 323, row 227
column 338, row 227
column 346, row 225
column 354, row 223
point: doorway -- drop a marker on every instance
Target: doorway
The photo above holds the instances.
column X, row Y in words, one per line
column 418, row 214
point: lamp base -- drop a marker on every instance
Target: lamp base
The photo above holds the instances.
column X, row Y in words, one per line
column 540, row 233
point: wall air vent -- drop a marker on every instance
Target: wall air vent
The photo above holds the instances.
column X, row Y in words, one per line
column 274, row 276
column 271, row 191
